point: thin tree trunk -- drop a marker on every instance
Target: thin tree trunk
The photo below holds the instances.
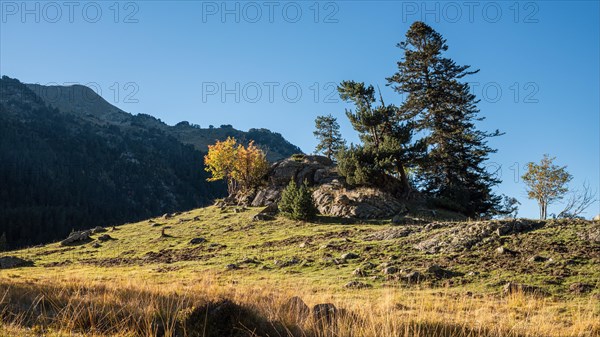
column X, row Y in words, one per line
column 404, row 180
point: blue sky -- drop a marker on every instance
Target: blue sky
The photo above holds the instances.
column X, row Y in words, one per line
column 275, row 65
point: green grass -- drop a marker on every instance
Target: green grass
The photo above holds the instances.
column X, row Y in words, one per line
column 94, row 291
column 139, row 250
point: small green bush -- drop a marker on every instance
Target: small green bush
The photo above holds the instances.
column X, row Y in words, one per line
column 298, row 157
column 297, row 202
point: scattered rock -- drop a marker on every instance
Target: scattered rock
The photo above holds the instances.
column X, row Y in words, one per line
column 267, row 214
column 282, row 264
column 505, row 251
column 441, row 273
column 518, row 288
column 249, row 260
column 350, row 256
column 357, row 285
column 537, row 258
column 580, row 288
column 389, row 270
column 389, row 234
column 232, row 266
column 76, row 237
column 413, row 277
column 7, row 262
column 359, row 272
column 295, row 308
column 96, row 245
column 226, row 318
column 303, row 244
column 99, row 229
column 368, row 265
column 167, row 216
column 196, row 241
column 324, row 313
column 105, row 237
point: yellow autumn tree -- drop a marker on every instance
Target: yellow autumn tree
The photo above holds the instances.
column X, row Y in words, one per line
column 220, row 162
column 242, row 167
column 249, row 167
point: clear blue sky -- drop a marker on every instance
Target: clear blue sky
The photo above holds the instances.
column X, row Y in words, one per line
column 539, row 61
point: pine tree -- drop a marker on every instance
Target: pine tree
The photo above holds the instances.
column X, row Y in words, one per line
column 288, row 195
column 297, row 202
column 387, row 138
column 329, row 136
column 442, row 108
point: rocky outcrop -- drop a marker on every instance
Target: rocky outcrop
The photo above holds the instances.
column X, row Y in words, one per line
column 332, row 196
column 591, row 233
column 315, row 170
column 362, row 202
column 457, row 239
column 76, row 237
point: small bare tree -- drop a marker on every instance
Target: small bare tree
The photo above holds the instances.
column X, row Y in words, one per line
column 578, row 202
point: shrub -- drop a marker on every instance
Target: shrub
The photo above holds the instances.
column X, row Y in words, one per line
column 297, row 202
column 298, row 157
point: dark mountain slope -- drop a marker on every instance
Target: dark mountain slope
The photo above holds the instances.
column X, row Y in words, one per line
column 85, row 103
column 64, row 171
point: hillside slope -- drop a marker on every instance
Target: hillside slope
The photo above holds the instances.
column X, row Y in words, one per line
column 60, row 172
column 551, row 255
column 360, row 262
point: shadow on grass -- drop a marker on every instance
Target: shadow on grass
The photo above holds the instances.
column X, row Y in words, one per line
column 107, row 310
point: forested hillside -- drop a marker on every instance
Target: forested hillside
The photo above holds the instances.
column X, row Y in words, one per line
column 60, row 172
column 86, row 104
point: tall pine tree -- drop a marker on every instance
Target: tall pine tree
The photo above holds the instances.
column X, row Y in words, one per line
column 442, row 108
column 329, row 136
column 386, row 136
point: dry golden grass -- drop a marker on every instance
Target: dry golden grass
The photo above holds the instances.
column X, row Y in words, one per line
column 76, row 307
column 143, row 284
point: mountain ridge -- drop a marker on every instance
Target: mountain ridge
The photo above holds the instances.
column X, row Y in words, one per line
column 84, row 101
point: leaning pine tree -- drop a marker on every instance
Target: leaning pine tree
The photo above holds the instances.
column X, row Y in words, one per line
column 442, row 108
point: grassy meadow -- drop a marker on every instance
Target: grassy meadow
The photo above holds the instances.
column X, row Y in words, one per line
column 148, row 279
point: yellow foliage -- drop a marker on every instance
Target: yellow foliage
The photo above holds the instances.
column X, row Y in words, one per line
column 242, row 167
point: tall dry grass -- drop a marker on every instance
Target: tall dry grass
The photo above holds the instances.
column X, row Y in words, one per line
column 133, row 308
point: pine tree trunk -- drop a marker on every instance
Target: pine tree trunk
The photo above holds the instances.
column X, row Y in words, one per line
column 404, row 180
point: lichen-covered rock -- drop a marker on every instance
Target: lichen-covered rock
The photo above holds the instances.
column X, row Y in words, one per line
column 466, row 236
column 591, row 233
column 335, row 199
